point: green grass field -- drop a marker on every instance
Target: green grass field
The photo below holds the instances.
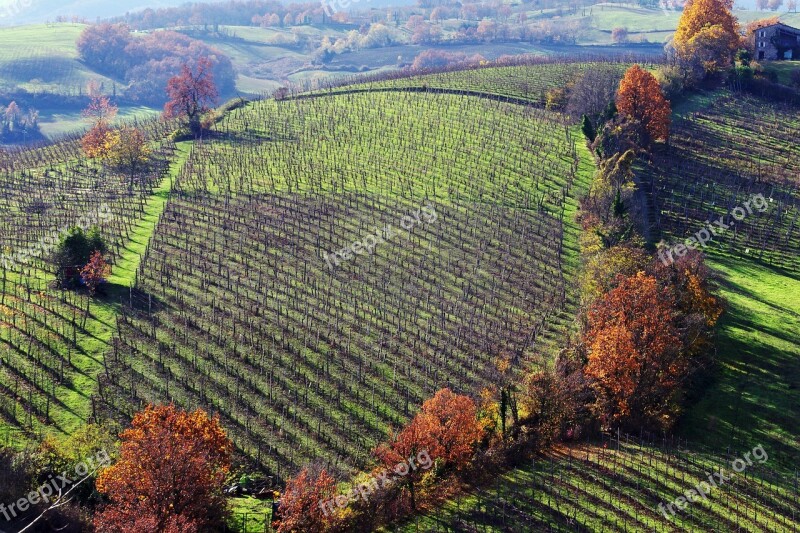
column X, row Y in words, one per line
column 782, row 69
column 756, row 398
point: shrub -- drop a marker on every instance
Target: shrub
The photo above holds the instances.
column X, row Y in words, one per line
column 556, row 98
column 74, row 251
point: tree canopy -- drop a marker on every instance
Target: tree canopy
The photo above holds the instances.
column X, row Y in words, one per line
column 169, row 475
column 707, row 34
column 640, row 97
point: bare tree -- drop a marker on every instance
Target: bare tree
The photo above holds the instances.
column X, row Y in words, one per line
column 593, row 91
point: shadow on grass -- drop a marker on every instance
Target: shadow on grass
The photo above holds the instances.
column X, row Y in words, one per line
column 754, row 396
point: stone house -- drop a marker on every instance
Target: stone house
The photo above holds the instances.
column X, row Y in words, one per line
column 777, row 41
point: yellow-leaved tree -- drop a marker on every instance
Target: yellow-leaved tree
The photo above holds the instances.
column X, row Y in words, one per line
column 707, row 36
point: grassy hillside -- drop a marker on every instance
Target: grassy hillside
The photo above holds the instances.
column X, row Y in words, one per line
column 753, row 398
column 52, row 342
column 43, row 58
column 304, row 360
column 618, row 487
column 226, row 293
column 527, row 83
column 757, row 394
column 643, row 24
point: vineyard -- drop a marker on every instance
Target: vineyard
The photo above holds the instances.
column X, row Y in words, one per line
column 617, row 485
column 237, row 310
column 755, row 152
column 317, row 266
column 526, row 83
column 49, row 337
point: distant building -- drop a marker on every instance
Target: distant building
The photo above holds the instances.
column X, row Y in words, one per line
column 777, row 41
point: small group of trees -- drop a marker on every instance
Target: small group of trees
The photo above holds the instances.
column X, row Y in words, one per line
column 165, row 474
column 18, row 125
column 648, row 326
column 123, row 149
column 644, row 339
column 146, row 62
column 79, row 259
column 637, row 117
column 447, row 430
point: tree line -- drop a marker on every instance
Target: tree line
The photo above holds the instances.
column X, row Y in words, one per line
column 147, row 62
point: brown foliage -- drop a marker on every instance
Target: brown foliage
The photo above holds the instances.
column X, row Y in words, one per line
column 640, row 97
column 688, row 279
column 98, row 142
column 300, row 508
column 169, row 475
column 95, row 272
column 191, row 93
column 446, row 428
column 634, row 354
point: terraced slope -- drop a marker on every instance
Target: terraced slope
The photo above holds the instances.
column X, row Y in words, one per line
column 720, row 155
column 723, row 150
column 240, row 312
column 619, row 487
column 527, row 83
column 52, row 341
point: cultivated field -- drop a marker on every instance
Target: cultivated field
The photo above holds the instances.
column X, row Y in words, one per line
column 227, row 293
column 520, row 83
column 52, row 341
column 238, row 311
column 619, row 486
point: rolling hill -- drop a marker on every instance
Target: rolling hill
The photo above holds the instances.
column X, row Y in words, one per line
column 317, row 266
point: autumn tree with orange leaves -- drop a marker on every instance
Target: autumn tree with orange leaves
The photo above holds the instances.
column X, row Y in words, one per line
column 707, row 36
column 698, row 310
column 300, row 508
column 446, row 428
column 98, row 142
column 635, row 359
column 169, row 475
column 640, row 98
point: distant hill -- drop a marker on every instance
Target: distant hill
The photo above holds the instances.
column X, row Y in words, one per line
column 15, row 12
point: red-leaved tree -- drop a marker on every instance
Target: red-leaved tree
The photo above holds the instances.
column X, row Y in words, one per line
column 98, row 142
column 191, row 93
column 641, row 98
column 636, row 362
column 446, row 429
column 169, row 475
column 95, row 272
column 300, row 508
